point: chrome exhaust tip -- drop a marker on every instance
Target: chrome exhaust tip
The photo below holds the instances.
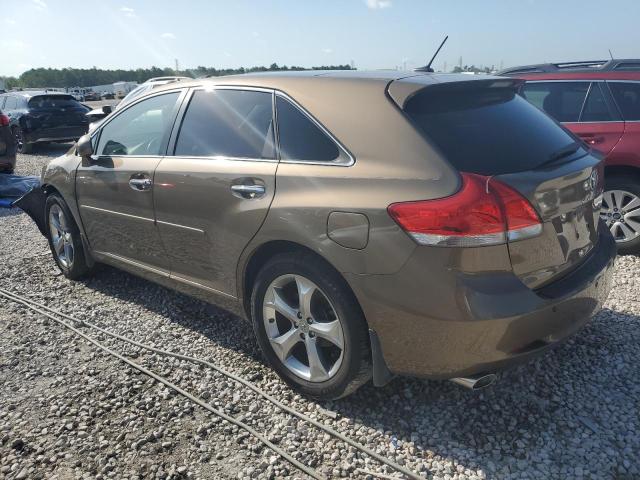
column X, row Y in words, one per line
column 476, row 382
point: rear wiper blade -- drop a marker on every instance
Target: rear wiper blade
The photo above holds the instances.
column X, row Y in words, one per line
column 564, row 152
column 561, row 153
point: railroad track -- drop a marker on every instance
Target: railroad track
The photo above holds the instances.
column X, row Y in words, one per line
column 74, row 324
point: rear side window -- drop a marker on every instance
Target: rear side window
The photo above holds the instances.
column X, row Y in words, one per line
column 11, row 103
column 489, row 131
column 228, row 123
column 595, row 107
column 562, row 100
column 43, row 102
column 300, row 138
column 627, row 96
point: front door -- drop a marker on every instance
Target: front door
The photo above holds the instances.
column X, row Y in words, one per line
column 214, row 188
column 115, row 188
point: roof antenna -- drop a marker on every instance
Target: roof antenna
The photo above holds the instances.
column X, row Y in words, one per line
column 427, row 67
column 610, row 54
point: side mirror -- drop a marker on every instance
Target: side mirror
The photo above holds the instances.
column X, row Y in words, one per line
column 106, row 109
column 84, row 148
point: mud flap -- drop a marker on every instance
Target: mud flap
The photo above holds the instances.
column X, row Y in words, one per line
column 32, row 203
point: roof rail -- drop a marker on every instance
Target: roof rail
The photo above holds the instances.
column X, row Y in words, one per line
column 632, row 64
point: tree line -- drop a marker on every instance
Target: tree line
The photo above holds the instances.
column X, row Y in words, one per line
column 86, row 77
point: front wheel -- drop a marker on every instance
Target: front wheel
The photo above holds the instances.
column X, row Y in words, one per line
column 621, row 212
column 64, row 238
column 310, row 327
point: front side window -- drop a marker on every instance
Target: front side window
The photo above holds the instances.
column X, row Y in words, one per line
column 627, row 96
column 228, row 123
column 300, row 138
column 140, row 129
column 562, row 100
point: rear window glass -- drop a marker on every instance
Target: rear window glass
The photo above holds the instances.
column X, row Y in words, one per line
column 54, row 101
column 489, row 131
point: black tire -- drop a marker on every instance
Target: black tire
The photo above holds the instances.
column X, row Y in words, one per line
column 77, row 267
column 631, row 184
column 355, row 368
column 21, row 145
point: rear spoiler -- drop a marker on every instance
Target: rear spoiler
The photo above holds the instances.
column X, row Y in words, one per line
column 402, row 90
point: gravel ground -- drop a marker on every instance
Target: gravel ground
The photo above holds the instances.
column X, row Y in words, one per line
column 67, row 410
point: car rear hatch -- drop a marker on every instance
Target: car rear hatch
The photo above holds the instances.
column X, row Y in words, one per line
column 516, row 152
column 54, row 111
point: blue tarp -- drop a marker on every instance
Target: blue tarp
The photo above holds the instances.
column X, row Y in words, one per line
column 12, row 187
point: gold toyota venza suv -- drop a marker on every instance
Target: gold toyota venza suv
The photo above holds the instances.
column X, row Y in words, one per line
column 367, row 224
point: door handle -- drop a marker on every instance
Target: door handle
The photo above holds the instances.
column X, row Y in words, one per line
column 248, row 191
column 140, row 184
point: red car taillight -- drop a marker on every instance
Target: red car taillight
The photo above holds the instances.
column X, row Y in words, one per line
column 483, row 212
column 4, row 120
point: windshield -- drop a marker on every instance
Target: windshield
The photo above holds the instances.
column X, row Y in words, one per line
column 54, row 101
column 489, row 131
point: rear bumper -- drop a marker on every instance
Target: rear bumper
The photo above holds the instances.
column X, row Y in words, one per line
column 489, row 321
column 57, row 134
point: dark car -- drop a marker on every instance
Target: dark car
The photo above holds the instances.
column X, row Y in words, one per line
column 430, row 225
column 600, row 102
column 107, row 96
column 42, row 116
column 91, row 96
column 7, row 145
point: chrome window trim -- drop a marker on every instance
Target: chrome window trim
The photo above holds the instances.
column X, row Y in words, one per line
column 350, row 158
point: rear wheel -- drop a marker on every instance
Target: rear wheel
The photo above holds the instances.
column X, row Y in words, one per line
column 309, row 326
column 64, row 238
column 21, row 144
column 621, row 212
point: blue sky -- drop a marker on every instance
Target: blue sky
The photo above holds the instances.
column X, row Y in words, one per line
column 373, row 33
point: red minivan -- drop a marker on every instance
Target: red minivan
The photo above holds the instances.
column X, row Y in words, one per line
column 600, row 102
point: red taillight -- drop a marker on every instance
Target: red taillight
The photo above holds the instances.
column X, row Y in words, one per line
column 483, row 212
column 4, row 120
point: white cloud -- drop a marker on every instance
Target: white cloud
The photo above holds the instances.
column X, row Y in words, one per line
column 168, row 35
column 40, row 4
column 327, row 50
column 14, row 44
column 9, row 21
column 378, row 4
column 128, row 12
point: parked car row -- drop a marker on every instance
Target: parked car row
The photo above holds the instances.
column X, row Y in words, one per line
column 431, row 225
column 599, row 101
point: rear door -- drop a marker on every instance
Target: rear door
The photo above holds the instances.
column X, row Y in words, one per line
column 584, row 107
column 627, row 98
column 115, row 188
column 214, row 188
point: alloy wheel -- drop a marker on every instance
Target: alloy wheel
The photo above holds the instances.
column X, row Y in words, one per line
column 61, row 236
column 621, row 212
column 303, row 328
